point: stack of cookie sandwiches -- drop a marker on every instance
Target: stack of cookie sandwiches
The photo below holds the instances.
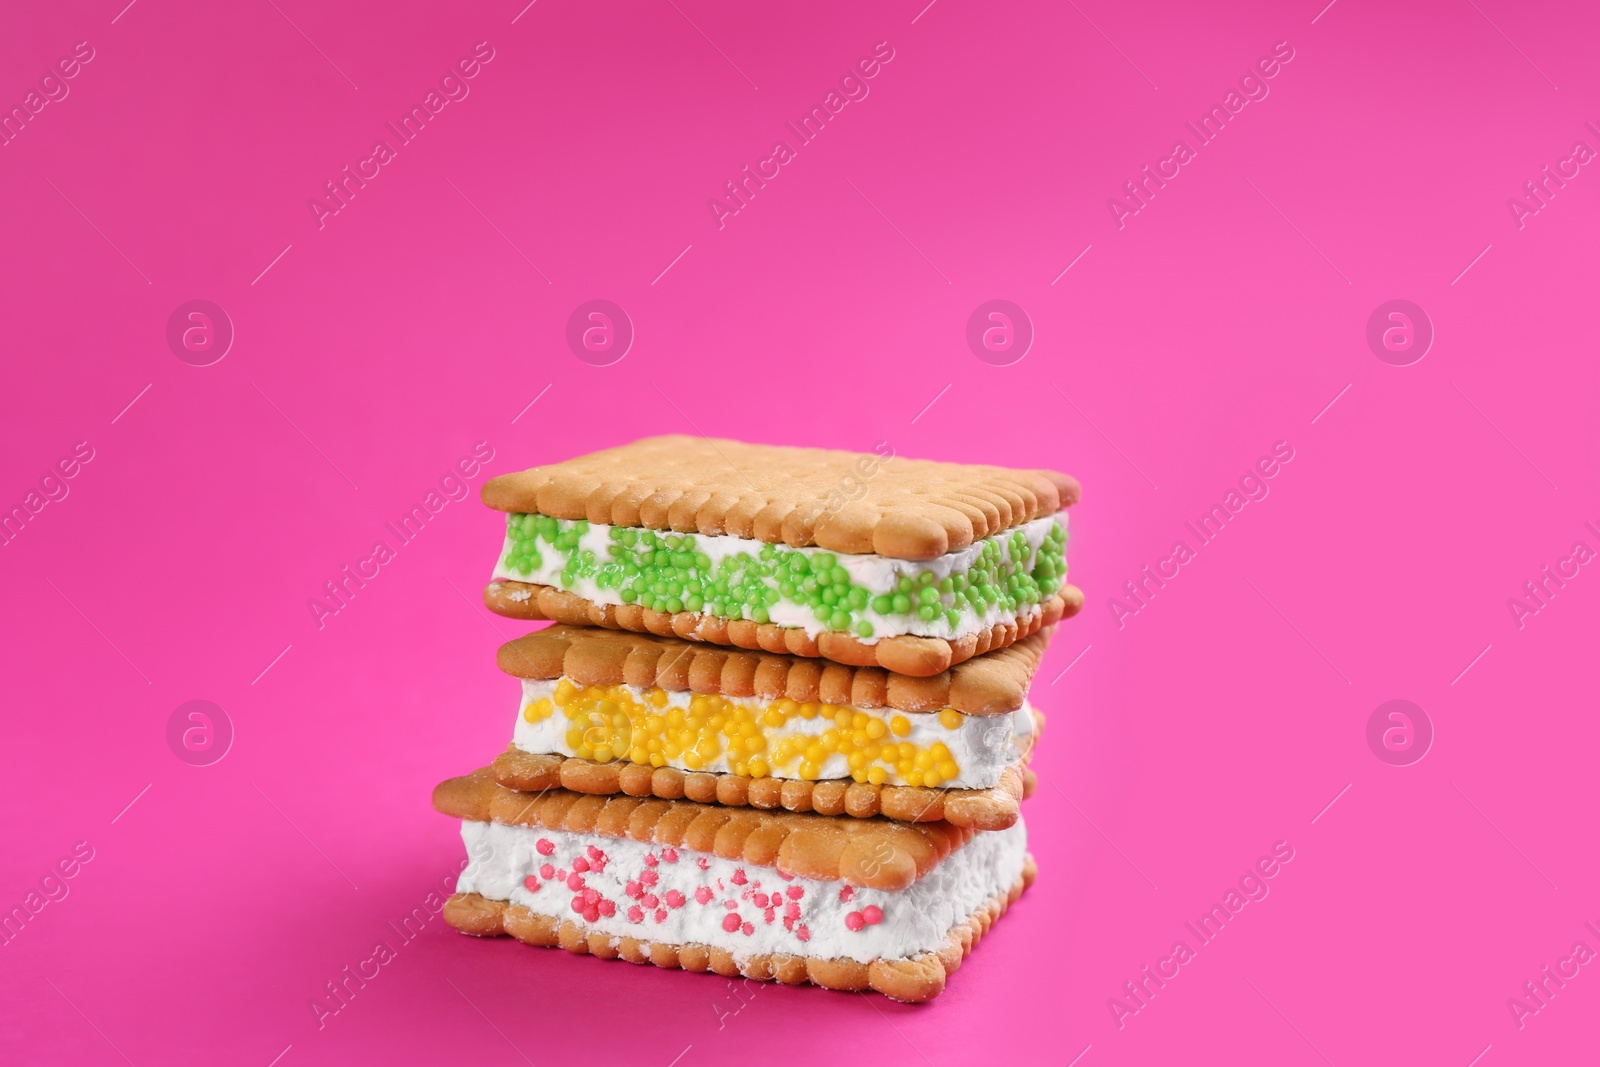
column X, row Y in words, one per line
column 781, row 727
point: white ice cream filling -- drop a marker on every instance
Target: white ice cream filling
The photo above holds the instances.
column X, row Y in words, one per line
column 980, row 745
column 677, row 896
column 878, row 575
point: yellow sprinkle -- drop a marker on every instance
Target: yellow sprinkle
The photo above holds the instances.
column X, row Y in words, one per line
column 900, row 725
column 875, row 728
column 950, row 718
column 877, row 776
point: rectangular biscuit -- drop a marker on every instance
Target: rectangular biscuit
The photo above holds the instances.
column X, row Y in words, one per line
column 842, row 903
column 850, row 502
column 991, row 685
column 910, row 565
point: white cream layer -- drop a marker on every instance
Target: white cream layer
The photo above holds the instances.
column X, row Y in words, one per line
column 682, row 897
column 878, row 574
column 982, row 745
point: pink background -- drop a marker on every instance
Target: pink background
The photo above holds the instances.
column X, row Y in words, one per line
column 1225, row 316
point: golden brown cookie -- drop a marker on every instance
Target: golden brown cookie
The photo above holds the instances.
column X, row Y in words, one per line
column 914, row 980
column 896, row 507
column 918, row 657
column 874, row 853
column 994, row 684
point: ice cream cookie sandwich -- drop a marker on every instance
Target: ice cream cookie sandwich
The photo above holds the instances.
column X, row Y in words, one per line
column 603, row 711
column 910, row 565
column 848, row 904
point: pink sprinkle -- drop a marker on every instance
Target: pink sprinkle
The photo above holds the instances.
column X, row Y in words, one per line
column 634, row 890
column 607, row 908
column 846, row 894
column 873, row 914
column 795, row 892
column 738, row 876
column 591, row 913
column 770, row 914
column 651, row 900
column 547, row 872
column 595, row 854
column 590, row 896
column 661, row 915
column 747, row 929
column 791, row 910
column 788, row 922
column 599, row 864
column 786, row 876
column 574, row 880
column 650, row 859
column 545, row 846
column 531, row 884
column 577, row 904
column 674, row 899
column 761, row 900
column 580, row 865
column 561, row 874
column 730, row 922
column 854, row 921
column 731, row 905
column 636, row 914
column 670, row 855
column 720, row 886
column 702, row 895
column 649, row 877
column 703, row 863
column 804, row 933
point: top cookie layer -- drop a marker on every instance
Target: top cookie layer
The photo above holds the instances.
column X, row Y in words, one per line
column 874, row 853
column 847, row 502
column 995, row 684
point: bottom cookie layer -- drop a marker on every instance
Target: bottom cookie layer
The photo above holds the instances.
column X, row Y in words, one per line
column 914, row 980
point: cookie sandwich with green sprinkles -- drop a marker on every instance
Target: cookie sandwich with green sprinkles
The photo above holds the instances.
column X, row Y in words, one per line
column 611, row 712
column 859, row 558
